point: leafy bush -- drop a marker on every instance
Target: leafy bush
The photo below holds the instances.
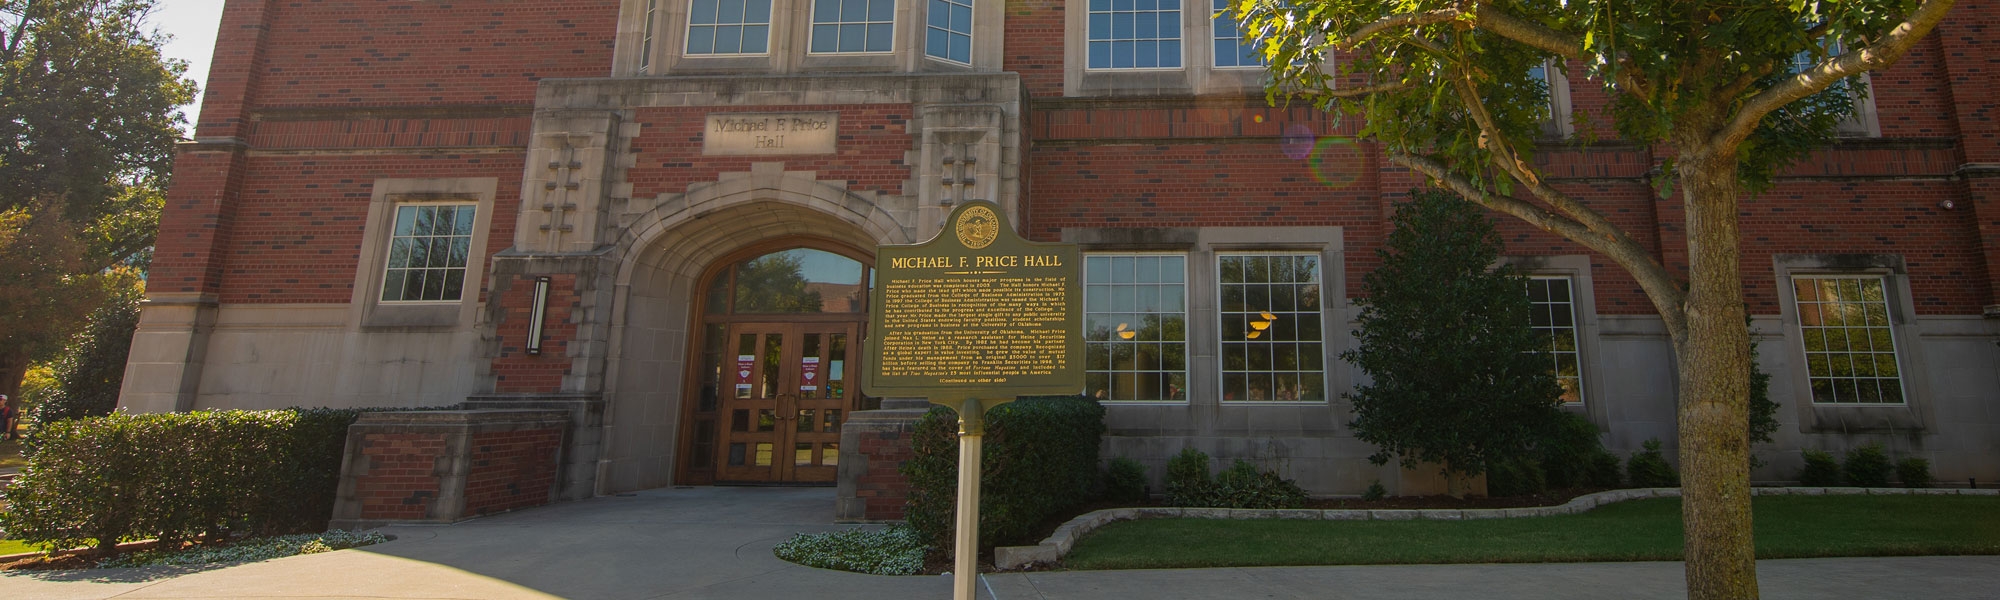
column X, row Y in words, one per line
column 1125, row 481
column 1914, row 472
column 1243, row 486
column 1567, row 452
column 176, row 476
column 1039, row 458
column 250, row 550
column 91, row 370
column 1867, row 466
column 1763, row 411
column 1604, row 471
column 1647, row 468
column 1518, row 476
column 1375, row 491
column 1187, row 479
column 1457, row 376
column 1820, row 470
column 897, row 550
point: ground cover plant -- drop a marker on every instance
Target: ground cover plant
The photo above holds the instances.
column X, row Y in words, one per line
column 897, row 550
column 249, row 550
column 1786, row 527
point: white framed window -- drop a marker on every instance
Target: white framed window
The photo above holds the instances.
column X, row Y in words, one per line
column 1556, row 117
column 429, row 248
column 1134, row 34
column 1271, row 335
column 1552, row 313
column 1230, row 47
column 853, row 26
column 729, row 27
column 1135, row 324
column 948, row 32
column 1850, row 343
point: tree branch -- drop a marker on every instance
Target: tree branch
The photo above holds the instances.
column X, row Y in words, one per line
column 1529, row 33
column 1365, row 90
column 1396, row 21
column 1885, row 51
column 1665, row 292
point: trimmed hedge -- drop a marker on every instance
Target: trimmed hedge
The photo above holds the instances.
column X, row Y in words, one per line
column 1039, row 458
column 178, row 476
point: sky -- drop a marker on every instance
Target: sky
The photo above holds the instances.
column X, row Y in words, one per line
column 192, row 23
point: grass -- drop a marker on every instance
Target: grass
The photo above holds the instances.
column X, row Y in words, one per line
column 10, row 455
column 1786, row 527
column 16, row 547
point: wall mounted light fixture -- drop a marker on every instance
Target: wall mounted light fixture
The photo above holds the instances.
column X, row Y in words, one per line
column 540, row 305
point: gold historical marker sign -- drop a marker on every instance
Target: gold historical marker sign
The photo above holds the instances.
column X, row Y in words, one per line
column 976, row 312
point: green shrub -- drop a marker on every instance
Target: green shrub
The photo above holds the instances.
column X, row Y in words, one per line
column 1914, row 472
column 1867, row 466
column 897, row 550
column 1187, row 479
column 1039, row 458
column 1243, row 486
column 1565, row 452
column 1820, row 470
column 1375, row 491
column 90, row 371
column 1647, row 468
column 176, row 476
column 1125, row 481
column 1519, row 476
column 1604, row 471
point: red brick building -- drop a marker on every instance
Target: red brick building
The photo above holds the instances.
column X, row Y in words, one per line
column 379, row 192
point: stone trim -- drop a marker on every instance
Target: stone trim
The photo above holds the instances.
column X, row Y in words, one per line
column 1065, row 537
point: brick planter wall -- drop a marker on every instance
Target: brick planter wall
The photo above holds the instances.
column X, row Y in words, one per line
column 447, row 466
column 873, row 445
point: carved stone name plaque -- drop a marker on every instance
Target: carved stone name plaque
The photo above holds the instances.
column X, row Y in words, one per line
column 767, row 134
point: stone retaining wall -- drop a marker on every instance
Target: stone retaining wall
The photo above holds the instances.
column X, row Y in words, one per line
column 1065, row 537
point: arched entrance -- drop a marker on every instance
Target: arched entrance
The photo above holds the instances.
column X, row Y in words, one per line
column 775, row 363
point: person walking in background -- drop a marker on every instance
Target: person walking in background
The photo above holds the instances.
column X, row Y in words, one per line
column 7, row 414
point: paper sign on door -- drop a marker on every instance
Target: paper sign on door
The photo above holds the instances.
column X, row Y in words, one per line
column 744, row 363
column 809, row 375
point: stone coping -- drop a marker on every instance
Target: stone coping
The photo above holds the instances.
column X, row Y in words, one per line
column 1065, row 537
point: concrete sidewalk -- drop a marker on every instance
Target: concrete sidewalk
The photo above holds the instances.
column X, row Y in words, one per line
column 716, row 543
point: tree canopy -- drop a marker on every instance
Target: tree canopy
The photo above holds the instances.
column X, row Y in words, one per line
column 88, row 121
column 1445, row 85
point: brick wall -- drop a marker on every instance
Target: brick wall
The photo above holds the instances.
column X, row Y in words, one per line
column 514, row 369
column 511, row 469
column 403, row 476
column 883, row 489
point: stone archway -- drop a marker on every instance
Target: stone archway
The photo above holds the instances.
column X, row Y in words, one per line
column 665, row 252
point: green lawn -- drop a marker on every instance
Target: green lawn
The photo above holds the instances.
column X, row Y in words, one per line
column 1787, row 527
column 16, row 547
column 10, row 455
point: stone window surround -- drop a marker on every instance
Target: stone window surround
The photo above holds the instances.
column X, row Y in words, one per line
column 1583, row 296
column 367, row 309
column 1914, row 412
column 1200, row 246
column 791, row 26
column 1558, row 125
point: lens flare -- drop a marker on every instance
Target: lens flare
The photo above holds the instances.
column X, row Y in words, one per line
column 1335, row 162
column 1297, row 142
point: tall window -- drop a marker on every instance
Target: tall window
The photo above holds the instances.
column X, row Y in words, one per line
column 1856, row 123
column 1231, row 49
column 729, row 27
column 428, row 252
column 1850, row 347
column 853, row 26
column 1552, row 313
column 1135, row 322
column 1135, row 34
column 1272, row 348
column 646, row 41
column 948, row 35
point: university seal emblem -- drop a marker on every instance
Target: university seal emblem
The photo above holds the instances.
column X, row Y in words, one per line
column 978, row 227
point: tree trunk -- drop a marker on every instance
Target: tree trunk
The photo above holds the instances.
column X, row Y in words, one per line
column 1721, row 560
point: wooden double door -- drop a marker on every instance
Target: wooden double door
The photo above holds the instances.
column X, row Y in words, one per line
column 787, row 389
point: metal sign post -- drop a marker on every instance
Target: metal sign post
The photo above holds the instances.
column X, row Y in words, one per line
column 971, row 319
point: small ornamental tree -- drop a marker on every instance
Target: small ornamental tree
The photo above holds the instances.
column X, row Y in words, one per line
column 1457, row 379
